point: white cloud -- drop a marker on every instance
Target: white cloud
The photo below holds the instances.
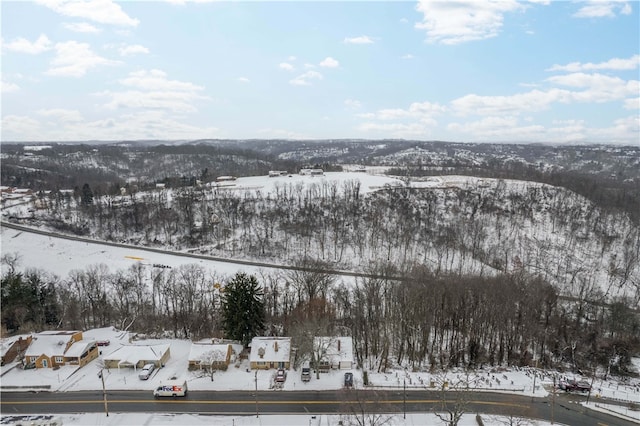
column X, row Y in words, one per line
column 603, row 9
column 24, row 128
column 243, row 80
column 22, row 45
column 157, row 80
column 291, row 58
column 598, row 87
column 632, row 103
column 623, row 130
column 501, row 127
column 449, row 22
column 152, row 124
column 399, row 130
column 183, row 2
column 286, row 66
column 6, row 87
column 132, row 49
column 81, row 27
column 422, row 111
column 61, row 114
column 358, row 40
column 407, row 56
column 305, row 79
column 329, row 62
column 352, row 104
column 616, row 64
column 535, row 100
column 152, row 89
column 281, row 134
column 101, row 11
column 416, row 120
column 73, row 59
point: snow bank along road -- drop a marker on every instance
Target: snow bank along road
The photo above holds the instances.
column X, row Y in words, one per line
column 561, row 410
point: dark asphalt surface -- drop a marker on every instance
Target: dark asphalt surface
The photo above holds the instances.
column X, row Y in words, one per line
column 563, row 410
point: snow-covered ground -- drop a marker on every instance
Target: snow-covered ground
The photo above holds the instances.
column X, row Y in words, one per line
column 60, row 256
column 412, row 419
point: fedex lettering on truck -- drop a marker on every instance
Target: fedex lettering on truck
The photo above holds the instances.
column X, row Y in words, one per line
column 171, row 389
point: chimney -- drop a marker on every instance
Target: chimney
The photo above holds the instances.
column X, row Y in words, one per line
column 261, row 352
column 275, row 346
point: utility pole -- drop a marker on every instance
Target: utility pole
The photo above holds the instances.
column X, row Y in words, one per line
column 404, row 395
column 256, row 380
column 553, row 397
column 104, row 392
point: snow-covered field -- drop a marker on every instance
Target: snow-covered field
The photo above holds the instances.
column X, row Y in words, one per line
column 60, row 256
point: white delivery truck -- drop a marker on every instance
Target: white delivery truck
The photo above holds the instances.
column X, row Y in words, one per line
column 171, row 388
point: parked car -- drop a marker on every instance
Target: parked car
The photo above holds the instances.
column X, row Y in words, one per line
column 146, row 371
column 573, row 385
column 281, row 375
column 306, row 371
column 348, row 380
column 103, row 343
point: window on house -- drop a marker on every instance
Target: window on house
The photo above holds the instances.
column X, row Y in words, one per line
column 59, row 360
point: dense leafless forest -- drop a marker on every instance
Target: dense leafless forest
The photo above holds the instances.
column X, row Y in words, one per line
column 538, row 259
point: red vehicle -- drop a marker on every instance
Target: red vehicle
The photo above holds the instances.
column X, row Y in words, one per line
column 281, row 375
column 103, row 343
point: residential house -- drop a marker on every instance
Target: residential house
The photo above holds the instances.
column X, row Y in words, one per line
column 334, row 352
column 208, row 354
column 270, row 352
column 136, row 356
column 14, row 348
column 50, row 349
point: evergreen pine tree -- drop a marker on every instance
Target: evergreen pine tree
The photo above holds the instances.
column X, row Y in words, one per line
column 87, row 195
column 243, row 308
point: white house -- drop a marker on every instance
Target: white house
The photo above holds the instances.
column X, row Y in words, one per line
column 334, row 352
column 270, row 352
column 205, row 355
column 135, row 356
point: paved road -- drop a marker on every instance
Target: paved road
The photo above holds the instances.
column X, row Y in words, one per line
column 314, row 402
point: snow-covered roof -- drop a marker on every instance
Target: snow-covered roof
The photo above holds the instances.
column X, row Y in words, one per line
column 208, row 352
column 336, row 348
column 133, row 354
column 5, row 344
column 50, row 343
column 274, row 349
column 79, row 347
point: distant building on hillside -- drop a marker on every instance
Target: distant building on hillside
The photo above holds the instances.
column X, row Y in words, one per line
column 312, row 172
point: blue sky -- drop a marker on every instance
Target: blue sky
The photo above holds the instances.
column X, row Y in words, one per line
column 468, row 71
